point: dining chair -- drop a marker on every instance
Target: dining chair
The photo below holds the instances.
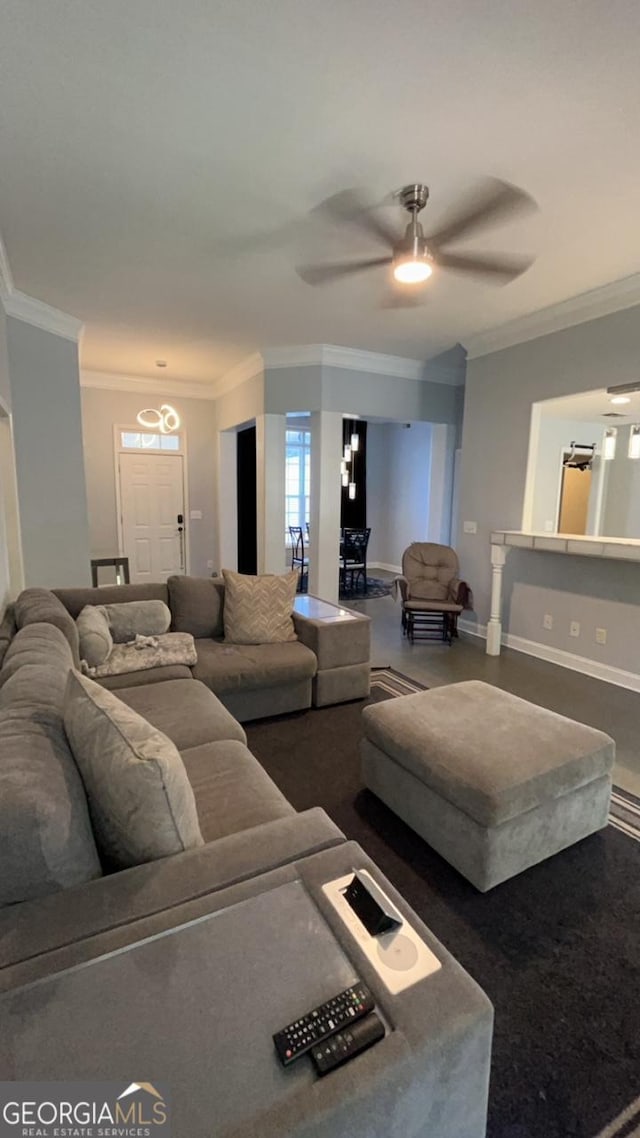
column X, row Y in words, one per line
column 298, row 558
column 353, row 557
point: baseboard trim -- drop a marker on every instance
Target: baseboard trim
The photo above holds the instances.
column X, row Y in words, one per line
column 383, row 565
column 588, row 667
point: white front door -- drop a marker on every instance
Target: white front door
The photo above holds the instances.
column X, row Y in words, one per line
column 152, row 498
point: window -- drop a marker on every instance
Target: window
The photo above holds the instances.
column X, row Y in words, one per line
column 297, row 478
column 143, row 440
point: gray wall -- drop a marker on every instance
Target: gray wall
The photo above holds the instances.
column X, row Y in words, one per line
column 5, row 396
column 398, row 476
column 314, row 388
column 500, row 390
column 45, row 398
column 102, row 410
column 5, row 385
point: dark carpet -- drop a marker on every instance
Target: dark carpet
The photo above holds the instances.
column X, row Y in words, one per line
column 376, row 587
column 557, row 949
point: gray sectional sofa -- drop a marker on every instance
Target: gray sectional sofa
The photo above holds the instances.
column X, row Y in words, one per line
column 329, row 662
column 218, row 946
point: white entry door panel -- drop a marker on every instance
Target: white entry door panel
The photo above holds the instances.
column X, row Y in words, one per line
column 152, row 496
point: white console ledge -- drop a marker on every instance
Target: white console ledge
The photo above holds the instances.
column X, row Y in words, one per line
column 613, row 548
column 502, row 540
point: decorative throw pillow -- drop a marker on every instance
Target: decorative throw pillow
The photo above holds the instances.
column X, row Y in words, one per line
column 257, row 610
column 96, row 640
column 137, row 618
column 140, row 799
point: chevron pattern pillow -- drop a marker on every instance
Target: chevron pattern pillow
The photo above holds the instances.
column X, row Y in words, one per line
column 257, row 610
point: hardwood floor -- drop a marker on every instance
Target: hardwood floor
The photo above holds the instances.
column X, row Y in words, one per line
column 606, row 706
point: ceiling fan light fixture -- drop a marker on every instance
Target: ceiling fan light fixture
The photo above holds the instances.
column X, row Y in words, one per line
column 412, row 270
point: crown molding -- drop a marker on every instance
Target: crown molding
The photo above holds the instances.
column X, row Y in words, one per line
column 247, row 369
column 41, row 315
column 113, row 381
column 6, row 276
column 354, row 359
column 603, row 301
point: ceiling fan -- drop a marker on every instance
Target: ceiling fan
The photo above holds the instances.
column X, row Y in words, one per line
column 414, row 255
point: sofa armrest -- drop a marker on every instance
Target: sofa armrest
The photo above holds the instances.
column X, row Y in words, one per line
column 337, row 636
column 63, row 920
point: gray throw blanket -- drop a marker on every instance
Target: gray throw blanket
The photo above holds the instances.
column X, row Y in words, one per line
column 146, row 652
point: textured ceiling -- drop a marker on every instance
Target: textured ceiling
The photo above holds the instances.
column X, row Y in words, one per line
column 592, row 406
column 139, row 141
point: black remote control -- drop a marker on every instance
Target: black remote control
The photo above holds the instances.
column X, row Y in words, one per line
column 322, row 1022
column 347, row 1043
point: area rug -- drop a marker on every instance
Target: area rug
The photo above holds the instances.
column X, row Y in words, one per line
column 556, row 949
column 376, row 587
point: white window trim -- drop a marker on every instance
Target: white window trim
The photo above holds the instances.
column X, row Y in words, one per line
column 298, row 430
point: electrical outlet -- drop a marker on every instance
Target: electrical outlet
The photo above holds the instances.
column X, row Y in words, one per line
column 574, row 628
column 547, row 621
column 470, row 527
column 209, row 564
column 549, row 527
column 601, row 636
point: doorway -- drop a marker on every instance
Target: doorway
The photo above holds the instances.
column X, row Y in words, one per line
column 246, row 489
column 152, row 512
column 575, row 490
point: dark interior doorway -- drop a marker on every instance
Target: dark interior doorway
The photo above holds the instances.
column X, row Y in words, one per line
column 247, row 502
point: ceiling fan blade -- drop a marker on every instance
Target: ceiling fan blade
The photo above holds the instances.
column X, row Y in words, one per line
column 492, row 202
column 351, row 207
column 504, row 268
column 324, row 274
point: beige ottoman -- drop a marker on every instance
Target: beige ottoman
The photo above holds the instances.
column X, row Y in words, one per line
column 492, row 782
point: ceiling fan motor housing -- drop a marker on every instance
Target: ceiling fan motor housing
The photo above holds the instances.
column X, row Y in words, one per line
column 414, row 197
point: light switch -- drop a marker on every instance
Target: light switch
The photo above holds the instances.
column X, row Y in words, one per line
column 470, row 527
column 195, row 515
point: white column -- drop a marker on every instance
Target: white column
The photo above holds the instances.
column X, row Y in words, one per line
column 270, row 470
column 324, row 552
column 494, row 627
column 227, row 499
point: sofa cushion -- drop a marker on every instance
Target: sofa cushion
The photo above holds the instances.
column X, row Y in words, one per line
column 37, row 606
column 37, row 644
column 197, row 605
column 95, row 636
column 245, row 667
column 147, row 676
column 46, row 841
column 185, row 710
column 258, row 610
column 35, row 688
column 8, row 629
column 140, row 800
column 75, row 599
column 232, row 790
column 136, row 618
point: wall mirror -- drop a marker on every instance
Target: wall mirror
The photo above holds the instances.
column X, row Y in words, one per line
column 584, row 464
